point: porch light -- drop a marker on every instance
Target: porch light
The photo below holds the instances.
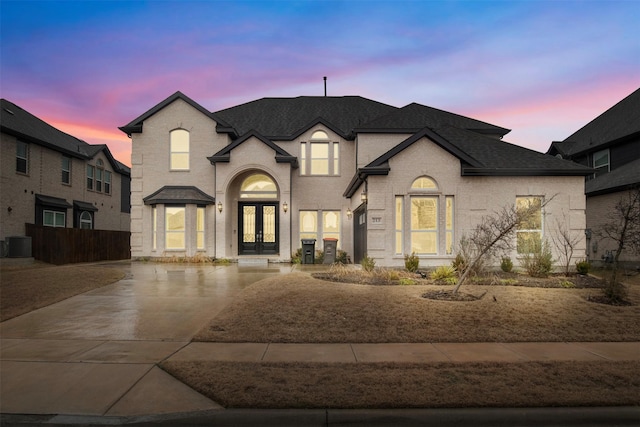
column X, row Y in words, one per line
column 285, row 207
column 349, row 214
column 363, row 197
column 220, row 207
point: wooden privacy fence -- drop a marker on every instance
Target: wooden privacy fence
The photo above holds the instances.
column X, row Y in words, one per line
column 70, row 245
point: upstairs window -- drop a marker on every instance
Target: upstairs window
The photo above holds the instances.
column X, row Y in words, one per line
column 99, row 174
column 107, row 182
column 22, row 157
column 179, row 150
column 66, row 170
column 91, row 171
column 601, row 162
column 320, row 156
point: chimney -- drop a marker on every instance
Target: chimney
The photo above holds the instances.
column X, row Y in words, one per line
column 325, row 85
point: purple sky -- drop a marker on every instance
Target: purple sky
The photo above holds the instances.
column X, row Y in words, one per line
column 541, row 68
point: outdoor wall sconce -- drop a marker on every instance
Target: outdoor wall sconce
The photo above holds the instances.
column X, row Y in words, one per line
column 349, row 214
column 285, row 207
column 363, row 197
column 220, row 207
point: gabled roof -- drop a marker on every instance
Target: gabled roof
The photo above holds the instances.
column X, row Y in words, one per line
column 176, row 194
column 283, row 119
column 479, row 155
column 281, row 156
column 618, row 123
column 413, row 117
column 18, row 122
column 135, row 125
column 618, row 179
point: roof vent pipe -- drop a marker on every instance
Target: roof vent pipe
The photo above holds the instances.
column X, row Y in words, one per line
column 325, row 85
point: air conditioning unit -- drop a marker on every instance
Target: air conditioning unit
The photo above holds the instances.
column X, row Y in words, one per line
column 19, row 246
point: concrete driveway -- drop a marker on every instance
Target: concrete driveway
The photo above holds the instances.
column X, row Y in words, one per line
column 95, row 354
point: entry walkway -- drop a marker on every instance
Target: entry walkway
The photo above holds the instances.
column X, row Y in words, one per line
column 121, row 378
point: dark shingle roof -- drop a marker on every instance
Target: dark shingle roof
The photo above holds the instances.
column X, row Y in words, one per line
column 413, row 117
column 619, row 121
column 616, row 180
column 20, row 123
column 286, row 118
column 179, row 194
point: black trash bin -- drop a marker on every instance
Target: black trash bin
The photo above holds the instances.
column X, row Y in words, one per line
column 308, row 251
column 330, row 248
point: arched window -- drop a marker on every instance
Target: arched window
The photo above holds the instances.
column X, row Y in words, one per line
column 258, row 186
column 86, row 221
column 424, row 183
column 320, row 156
column 179, row 149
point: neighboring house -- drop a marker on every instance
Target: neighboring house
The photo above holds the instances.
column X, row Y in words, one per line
column 253, row 180
column 610, row 144
column 54, row 179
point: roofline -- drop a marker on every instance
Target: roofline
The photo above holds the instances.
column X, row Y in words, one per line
column 28, row 138
column 482, row 171
column 616, row 189
column 604, row 145
column 282, row 156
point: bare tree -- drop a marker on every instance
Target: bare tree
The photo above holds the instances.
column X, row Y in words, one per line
column 494, row 234
column 624, row 229
column 565, row 241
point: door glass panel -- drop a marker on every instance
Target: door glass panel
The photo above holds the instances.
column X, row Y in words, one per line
column 249, row 224
column 269, row 224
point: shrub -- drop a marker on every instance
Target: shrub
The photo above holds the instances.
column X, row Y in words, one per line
column 467, row 252
column 341, row 257
column 458, row 263
column 368, row 263
column 411, row 262
column 444, row 273
column 296, row 257
column 405, row 281
column 567, row 284
column 583, row 267
column 538, row 261
column 319, row 257
column 506, row 264
column 616, row 292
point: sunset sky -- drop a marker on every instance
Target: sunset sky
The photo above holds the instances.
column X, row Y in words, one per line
column 541, row 68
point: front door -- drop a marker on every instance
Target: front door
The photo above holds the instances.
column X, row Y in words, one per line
column 258, row 229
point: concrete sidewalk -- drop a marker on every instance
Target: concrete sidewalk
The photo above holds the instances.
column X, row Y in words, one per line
column 120, row 378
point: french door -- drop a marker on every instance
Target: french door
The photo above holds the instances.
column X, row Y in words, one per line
column 258, row 228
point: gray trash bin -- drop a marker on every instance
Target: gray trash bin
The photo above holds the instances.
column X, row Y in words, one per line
column 308, row 251
column 330, row 248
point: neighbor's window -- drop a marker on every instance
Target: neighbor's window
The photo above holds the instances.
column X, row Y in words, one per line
column 174, row 218
column 86, row 221
column 179, row 149
column 424, row 225
column 22, row 157
column 99, row 174
column 91, row 171
column 53, row 218
column 66, row 170
column 200, row 228
column 449, row 224
column 529, row 230
column 399, row 221
column 601, row 162
column 320, row 156
column 107, row 182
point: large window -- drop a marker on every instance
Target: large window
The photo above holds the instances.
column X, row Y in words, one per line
column 601, row 162
column 200, row 228
column 320, row 225
column 175, row 227
column 179, row 149
column 66, row 170
column 98, row 179
column 22, row 157
column 529, row 229
column 53, row 218
column 399, row 222
column 424, row 225
column 320, row 156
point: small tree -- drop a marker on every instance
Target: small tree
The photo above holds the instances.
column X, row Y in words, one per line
column 494, row 234
column 623, row 228
column 565, row 242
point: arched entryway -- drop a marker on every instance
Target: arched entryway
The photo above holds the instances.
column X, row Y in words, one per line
column 258, row 221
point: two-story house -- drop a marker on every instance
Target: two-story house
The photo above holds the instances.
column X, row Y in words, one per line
column 255, row 179
column 53, row 179
column 610, row 144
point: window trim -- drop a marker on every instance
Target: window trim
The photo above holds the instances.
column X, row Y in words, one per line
column 435, row 231
column 320, row 137
column 600, row 169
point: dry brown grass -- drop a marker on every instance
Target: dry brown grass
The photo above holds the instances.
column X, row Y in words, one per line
column 389, row 385
column 299, row 308
column 24, row 288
